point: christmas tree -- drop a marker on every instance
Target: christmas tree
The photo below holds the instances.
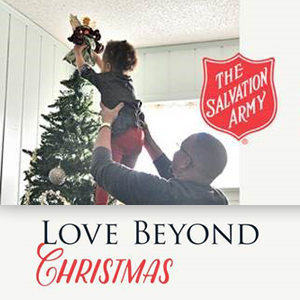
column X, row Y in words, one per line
column 59, row 170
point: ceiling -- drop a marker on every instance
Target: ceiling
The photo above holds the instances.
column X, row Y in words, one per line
column 142, row 22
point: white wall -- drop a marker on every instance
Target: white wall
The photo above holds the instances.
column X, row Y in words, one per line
column 176, row 72
column 31, row 68
column 270, row 161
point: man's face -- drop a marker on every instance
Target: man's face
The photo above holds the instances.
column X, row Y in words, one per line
column 182, row 158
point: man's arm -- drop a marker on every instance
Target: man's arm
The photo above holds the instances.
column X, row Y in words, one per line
column 163, row 166
column 108, row 117
column 129, row 186
column 160, row 160
column 151, row 146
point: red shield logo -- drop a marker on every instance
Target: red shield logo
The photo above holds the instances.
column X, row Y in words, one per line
column 238, row 95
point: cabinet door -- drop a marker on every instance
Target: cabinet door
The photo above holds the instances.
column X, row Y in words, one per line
column 31, row 100
column 4, row 25
column 13, row 114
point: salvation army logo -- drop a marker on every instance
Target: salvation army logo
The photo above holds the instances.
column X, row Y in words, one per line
column 238, row 95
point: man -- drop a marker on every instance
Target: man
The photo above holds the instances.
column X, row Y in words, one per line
column 186, row 180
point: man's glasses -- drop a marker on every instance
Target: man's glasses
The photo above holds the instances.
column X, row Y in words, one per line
column 185, row 152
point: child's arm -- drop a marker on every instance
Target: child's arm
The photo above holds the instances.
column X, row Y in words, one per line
column 84, row 69
column 80, row 62
column 98, row 60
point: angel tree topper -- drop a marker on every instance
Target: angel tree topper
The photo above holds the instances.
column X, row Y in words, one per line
column 238, row 95
column 84, row 33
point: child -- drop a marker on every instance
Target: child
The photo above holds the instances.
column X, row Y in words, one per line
column 115, row 86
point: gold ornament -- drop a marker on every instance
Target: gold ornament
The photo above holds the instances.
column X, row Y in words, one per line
column 53, row 198
column 57, row 176
column 27, row 198
column 113, row 201
column 34, row 156
column 33, row 160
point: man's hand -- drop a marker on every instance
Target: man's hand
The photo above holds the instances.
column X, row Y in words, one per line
column 150, row 144
column 110, row 115
column 146, row 130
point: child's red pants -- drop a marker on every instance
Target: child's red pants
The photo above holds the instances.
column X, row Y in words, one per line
column 126, row 148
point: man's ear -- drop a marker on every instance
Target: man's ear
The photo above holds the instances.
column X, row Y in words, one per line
column 185, row 163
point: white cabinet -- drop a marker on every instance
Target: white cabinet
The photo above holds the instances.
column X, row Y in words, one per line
column 176, row 72
column 13, row 113
column 4, row 24
column 31, row 69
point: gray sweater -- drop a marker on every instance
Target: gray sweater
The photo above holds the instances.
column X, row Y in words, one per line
column 138, row 188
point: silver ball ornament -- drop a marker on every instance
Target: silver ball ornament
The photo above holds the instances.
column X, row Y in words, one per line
column 57, row 176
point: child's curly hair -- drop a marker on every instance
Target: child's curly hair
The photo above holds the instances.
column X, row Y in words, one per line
column 120, row 55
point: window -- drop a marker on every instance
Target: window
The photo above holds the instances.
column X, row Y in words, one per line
column 170, row 122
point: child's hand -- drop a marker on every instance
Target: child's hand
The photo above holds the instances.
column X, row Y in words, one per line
column 98, row 59
column 95, row 55
column 79, row 48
